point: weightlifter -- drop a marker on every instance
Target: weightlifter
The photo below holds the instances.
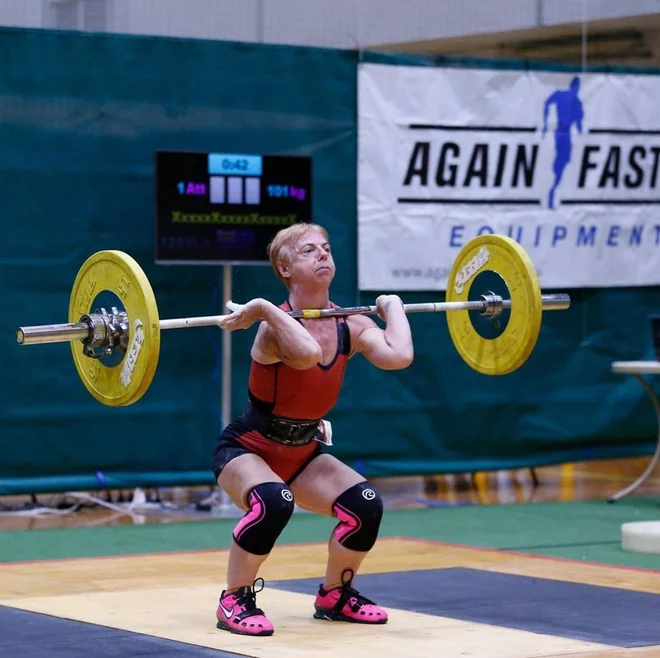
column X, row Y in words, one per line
column 272, row 455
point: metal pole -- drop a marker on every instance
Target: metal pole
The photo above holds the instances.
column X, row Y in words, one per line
column 61, row 333
column 555, row 302
column 226, row 348
column 52, row 333
column 656, row 456
column 261, row 22
column 225, row 500
column 539, row 13
column 584, row 35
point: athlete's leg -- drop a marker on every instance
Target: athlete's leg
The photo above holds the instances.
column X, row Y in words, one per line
column 327, row 486
column 316, row 489
column 268, row 504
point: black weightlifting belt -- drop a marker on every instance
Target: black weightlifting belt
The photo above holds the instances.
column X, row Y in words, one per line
column 289, row 431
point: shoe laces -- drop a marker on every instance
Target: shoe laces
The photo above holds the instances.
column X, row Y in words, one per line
column 348, row 592
column 246, row 597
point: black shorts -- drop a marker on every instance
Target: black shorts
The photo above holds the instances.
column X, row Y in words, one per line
column 287, row 462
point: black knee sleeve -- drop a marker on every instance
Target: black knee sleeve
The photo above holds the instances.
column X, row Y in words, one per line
column 359, row 510
column 271, row 506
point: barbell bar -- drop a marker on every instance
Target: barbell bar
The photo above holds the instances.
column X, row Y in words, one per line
column 493, row 303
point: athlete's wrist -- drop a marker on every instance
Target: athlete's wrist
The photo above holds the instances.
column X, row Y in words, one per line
column 266, row 309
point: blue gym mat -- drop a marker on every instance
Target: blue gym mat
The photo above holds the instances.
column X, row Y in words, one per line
column 606, row 615
column 33, row 635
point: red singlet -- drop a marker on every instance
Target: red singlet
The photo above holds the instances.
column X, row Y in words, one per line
column 279, row 390
column 301, row 394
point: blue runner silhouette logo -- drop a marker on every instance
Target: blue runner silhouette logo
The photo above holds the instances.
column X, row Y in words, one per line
column 569, row 111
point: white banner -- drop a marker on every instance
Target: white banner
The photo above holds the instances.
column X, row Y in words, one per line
column 568, row 165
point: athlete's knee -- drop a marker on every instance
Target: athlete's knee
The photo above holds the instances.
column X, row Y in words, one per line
column 359, row 510
column 270, row 508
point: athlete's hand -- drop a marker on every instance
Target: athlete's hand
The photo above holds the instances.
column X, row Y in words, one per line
column 244, row 316
column 384, row 304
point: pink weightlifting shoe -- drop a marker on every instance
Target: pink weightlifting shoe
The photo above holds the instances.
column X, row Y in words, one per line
column 344, row 603
column 238, row 613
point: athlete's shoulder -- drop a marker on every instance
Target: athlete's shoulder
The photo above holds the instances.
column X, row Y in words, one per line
column 360, row 322
column 357, row 325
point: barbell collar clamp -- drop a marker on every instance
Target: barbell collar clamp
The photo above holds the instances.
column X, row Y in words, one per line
column 107, row 332
column 493, row 305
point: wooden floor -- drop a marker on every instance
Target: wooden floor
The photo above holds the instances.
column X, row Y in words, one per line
column 124, row 592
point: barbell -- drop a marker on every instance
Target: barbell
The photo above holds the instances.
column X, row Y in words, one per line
column 493, row 303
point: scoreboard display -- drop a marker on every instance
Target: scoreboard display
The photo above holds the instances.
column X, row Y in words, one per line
column 219, row 208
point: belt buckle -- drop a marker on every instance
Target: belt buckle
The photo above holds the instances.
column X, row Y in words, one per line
column 292, row 441
column 285, row 432
column 289, row 439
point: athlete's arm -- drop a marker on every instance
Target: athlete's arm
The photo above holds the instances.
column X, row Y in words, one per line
column 281, row 338
column 390, row 348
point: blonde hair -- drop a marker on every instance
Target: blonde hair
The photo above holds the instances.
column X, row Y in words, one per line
column 284, row 240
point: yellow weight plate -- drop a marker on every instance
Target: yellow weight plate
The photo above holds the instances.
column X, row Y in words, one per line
column 125, row 378
column 511, row 348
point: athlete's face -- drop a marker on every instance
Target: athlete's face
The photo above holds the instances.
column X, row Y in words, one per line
column 310, row 260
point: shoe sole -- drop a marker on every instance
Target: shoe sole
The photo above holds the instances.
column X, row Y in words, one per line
column 331, row 615
column 226, row 627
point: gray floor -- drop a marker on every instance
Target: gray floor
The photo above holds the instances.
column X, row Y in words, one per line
column 605, row 615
